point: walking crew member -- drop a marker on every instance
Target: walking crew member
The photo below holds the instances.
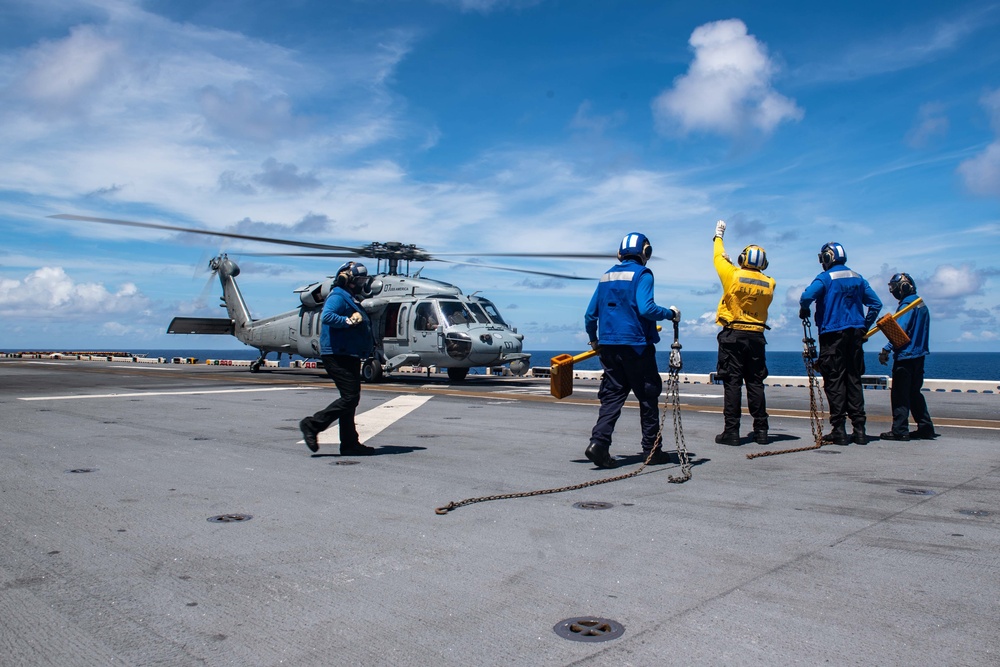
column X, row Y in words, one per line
column 742, row 314
column 908, row 364
column 841, row 296
column 345, row 339
column 624, row 313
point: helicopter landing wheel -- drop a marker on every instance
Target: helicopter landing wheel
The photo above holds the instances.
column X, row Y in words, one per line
column 255, row 367
column 457, row 374
column 371, row 370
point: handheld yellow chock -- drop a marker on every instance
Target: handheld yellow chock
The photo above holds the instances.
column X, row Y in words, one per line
column 887, row 324
column 561, row 371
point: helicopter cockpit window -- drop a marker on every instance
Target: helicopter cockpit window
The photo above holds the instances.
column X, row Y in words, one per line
column 455, row 313
column 492, row 311
column 479, row 313
column 426, row 317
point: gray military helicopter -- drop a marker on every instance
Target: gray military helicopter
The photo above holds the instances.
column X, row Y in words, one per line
column 416, row 321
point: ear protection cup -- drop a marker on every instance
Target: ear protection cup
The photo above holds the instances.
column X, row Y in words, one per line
column 832, row 253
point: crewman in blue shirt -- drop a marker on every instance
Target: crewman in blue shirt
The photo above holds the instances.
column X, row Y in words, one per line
column 345, row 339
column 908, row 364
column 621, row 324
column 841, row 296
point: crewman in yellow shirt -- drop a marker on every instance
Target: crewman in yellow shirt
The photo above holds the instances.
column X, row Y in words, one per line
column 742, row 314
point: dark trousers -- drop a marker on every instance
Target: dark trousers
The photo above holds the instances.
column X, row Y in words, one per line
column 741, row 360
column 907, row 379
column 626, row 371
column 346, row 375
column 842, row 363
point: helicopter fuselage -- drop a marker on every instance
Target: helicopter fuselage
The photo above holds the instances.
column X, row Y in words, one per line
column 415, row 322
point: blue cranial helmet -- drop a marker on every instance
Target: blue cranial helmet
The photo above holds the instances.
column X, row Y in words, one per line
column 635, row 245
column 351, row 273
column 831, row 254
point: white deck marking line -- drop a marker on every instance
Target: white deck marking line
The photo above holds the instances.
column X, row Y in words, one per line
column 142, row 394
column 372, row 422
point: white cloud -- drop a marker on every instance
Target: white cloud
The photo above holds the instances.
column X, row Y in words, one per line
column 982, row 172
column 49, row 290
column 931, row 124
column 907, row 47
column 247, row 112
column 978, row 336
column 487, row 6
column 160, row 113
column 59, row 76
column 954, row 282
column 584, row 120
column 727, row 88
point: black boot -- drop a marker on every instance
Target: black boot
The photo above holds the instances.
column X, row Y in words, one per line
column 760, row 437
column 659, row 457
column 731, row 438
column 309, row 436
column 355, row 449
column 599, row 456
column 838, row 436
column 859, row 437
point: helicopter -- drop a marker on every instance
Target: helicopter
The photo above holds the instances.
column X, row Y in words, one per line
column 416, row 321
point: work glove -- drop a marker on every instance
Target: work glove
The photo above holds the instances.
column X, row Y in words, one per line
column 870, row 318
column 883, row 357
column 354, row 319
column 677, row 312
column 595, row 345
column 804, row 313
column 720, row 229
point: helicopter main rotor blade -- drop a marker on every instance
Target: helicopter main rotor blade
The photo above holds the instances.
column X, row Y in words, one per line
column 561, row 255
column 508, row 268
column 355, row 252
column 299, row 254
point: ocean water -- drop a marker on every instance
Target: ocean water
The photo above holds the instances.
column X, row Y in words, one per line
column 939, row 365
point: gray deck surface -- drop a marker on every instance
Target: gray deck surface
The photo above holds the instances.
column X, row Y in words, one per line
column 807, row 558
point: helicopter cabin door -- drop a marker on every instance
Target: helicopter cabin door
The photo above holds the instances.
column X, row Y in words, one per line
column 396, row 325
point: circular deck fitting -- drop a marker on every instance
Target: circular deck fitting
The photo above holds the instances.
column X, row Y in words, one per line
column 592, row 505
column 230, row 518
column 589, row 629
column 827, row 451
column 345, row 463
column 916, row 492
column 200, row 437
column 973, row 512
column 82, row 470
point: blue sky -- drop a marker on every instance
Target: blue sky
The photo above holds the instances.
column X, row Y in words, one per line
column 493, row 126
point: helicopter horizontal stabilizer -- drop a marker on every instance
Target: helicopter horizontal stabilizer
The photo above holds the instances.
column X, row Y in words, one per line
column 222, row 326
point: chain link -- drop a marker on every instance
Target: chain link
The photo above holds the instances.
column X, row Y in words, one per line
column 672, row 399
column 816, row 407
